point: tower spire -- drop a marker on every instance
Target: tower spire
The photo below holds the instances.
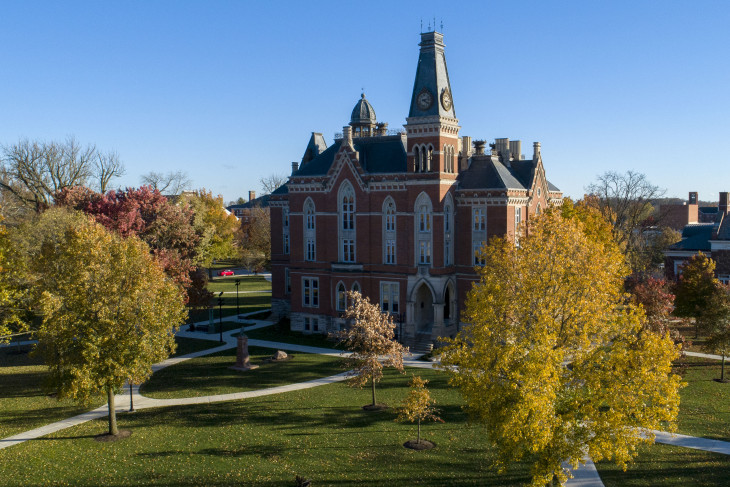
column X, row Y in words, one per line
column 432, row 89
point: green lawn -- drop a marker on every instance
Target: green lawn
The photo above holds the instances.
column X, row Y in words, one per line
column 668, row 466
column 274, row 334
column 704, row 409
column 320, row 433
column 248, row 283
column 246, row 303
column 25, row 402
column 211, row 374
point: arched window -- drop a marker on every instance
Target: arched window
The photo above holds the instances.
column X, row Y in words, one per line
column 423, row 240
column 356, row 288
column 448, row 231
column 310, row 234
column 417, row 159
column 341, row 297
column 429, row 158
column 346, row 214
column 389, row 235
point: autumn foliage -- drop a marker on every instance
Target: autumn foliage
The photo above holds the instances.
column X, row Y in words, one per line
column 370, row 337
column 554, row 363
column 418, row 405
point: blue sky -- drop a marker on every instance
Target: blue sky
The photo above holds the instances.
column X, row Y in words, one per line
column 230, row 91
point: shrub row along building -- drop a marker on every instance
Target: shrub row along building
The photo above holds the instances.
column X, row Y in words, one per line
column 399, row 216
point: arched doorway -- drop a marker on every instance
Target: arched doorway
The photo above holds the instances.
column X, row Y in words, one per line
column 424, row 310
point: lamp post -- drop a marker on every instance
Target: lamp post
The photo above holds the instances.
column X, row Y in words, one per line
column 238, row 313
column 131, row 401
column 220, row 316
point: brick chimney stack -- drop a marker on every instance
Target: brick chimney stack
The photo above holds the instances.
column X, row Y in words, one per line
column 294, row 167
column 722, row 207
column 251, row 195
column 693, row 198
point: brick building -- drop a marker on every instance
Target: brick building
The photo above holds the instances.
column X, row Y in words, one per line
column 711, row 236
column 398, row 216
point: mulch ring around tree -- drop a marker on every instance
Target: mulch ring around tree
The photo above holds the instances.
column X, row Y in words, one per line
column 107, row 438
column 423, row 445
column 375, row 407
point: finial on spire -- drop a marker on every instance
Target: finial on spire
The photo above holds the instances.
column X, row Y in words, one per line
column 421, row 25
column 442, row 25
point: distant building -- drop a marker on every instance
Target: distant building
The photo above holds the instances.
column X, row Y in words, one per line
column 709, row 233
column 398, row 215
column 243, row 211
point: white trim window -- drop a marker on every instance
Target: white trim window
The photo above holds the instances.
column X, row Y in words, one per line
column 478, row 233
column 518, row 225
column 389, row 297
column 285, row 229
column 287, row 280
column 448, row 236
column 310, row 292
column 341, row 297
column 346, row 227
column 310, row 231
column 390, row 251
column 424, row 233
column 389, row 235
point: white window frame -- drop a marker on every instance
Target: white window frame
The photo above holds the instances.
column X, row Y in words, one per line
column 341, row 297
column 390, row 297
column 310, row 292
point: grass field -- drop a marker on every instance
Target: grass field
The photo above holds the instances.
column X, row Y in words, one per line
column 705, row 404
column 274, row 334
column 25, row 402
column 211, row 374
column 321, row 433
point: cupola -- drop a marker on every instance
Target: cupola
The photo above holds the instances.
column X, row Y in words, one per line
column 363, row 119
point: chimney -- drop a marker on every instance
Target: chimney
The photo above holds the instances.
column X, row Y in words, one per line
column 251, row 195
column 502, row 146
column 693, row 198
column 347, row 136
column 465, row 153
column 722, row 207
column 294, row 167
column 515, row 149
column 479, row 147
column 535, row 151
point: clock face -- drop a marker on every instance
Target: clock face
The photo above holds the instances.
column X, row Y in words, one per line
column 446, row 99
column 424, row 100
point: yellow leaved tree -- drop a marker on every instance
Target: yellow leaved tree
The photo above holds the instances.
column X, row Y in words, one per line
column 552, row 363
column 370, row 338
column 109, row 311
column 416, row 407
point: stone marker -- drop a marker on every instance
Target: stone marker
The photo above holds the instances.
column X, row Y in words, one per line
column 242, row 361
column 279, row 355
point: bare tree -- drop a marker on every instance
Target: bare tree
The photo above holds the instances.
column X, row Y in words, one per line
column 32, row 171
column 107, row 166
column 627, row 201
column 171, row 183
column 272, row 181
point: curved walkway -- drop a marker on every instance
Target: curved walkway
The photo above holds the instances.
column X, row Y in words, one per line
column 585, row 476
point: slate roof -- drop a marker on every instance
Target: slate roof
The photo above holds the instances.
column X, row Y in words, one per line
column 377, row 155
column 695, row 237
column 315, row 147
column 363, row 112
column 261, row 201
column 487, row 172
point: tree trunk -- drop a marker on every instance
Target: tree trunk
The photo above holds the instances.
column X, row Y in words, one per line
column 372, row 381
column 112, row 411
column 418, row 440
column 722, row 368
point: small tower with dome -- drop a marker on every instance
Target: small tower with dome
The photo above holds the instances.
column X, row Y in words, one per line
column 363, row 120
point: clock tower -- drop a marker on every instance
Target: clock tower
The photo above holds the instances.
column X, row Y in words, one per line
column 432, row 126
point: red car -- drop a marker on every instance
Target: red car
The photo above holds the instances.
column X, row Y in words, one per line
column 226, row 272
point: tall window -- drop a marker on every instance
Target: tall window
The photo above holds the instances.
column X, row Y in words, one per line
column 287, row 280
column 310, row 231
column 478, row 233
column 518, row 222
column 423, row 229
column 356, row 288
column 448, row 158
column 310, row 292
column 389, row 299
column 448, row 231
column 429, row 158
column 389, row 235
column 285, row 229
column 341, row 297
column 346, row 215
